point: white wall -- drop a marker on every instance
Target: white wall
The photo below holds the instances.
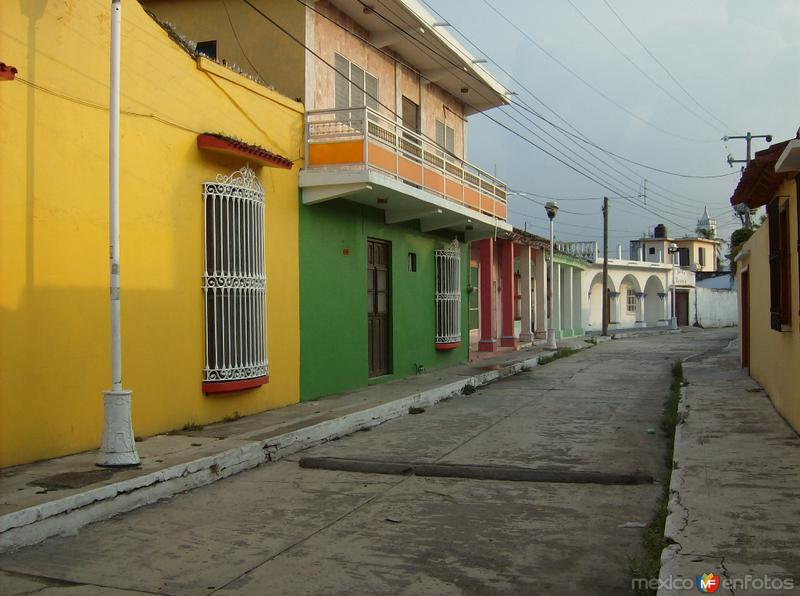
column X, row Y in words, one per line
column 716, row 307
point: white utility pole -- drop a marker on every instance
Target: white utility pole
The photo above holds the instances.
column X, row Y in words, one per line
column 118, row 447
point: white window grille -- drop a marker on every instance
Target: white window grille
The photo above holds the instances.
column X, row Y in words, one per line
column 448, row 296
column 234, row 282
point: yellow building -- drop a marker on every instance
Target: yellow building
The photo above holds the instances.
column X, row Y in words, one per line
column 768, row 270
column 191, row 251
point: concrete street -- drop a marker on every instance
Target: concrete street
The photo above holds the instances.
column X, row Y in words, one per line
column 281, row 529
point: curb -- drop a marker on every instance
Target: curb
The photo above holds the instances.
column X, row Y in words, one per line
column 67, row 515
column 677, row 515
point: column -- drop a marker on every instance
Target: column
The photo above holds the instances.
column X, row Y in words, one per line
column 525, row 335
column 577, row 302
column 555, row 299
column 640, row 297
column 540, row 267
column 507, row 297
column 567, row 301
column 486, row 343
column 613, row 315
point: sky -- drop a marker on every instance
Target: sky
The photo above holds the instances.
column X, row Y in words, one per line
column 739, row 61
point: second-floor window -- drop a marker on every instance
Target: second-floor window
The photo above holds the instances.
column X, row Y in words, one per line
column 445, row 136
column 354, row 87
column 701, row 256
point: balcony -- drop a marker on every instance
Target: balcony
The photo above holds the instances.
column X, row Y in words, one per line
column 365, row 157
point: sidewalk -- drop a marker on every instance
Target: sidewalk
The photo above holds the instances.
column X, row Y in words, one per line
column 734, row 508
column 57, row 497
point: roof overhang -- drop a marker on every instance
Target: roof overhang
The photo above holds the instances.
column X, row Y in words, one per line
column 400, row 202
column 789, row 160
column 423, row 43
column 760, row 180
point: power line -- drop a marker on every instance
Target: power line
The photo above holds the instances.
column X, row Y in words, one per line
column 694, row 203
column 665, row 69
column 403, row 31
column 641, row 70
column 589, row 85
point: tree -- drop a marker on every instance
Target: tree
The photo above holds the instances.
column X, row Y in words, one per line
column 738, row 238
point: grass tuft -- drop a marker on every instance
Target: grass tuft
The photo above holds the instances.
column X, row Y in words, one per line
column 647, row 564
column 559, row 353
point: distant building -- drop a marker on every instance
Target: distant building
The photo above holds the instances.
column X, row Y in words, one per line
column 706, row 225
column 697, row 253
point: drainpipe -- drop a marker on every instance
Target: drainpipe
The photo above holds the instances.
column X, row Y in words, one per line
column 118, row 447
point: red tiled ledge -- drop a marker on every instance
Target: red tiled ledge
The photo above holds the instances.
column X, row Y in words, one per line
column 223, row 144
column 448, row 346
column 227, row 386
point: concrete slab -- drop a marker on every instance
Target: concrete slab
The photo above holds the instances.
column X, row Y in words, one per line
column 285, row 530
column 184, row 460
column 734, row 507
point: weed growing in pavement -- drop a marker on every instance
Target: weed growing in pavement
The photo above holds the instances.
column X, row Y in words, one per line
column 559, row 353
column 190, row 426
column 468, row 390
column 648, row 564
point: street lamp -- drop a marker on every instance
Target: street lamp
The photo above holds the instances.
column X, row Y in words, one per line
column 673, row 248
column 552, row 208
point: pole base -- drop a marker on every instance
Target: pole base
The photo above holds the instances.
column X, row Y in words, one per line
column 673, row 324
column 118, row 448
column 550, row 344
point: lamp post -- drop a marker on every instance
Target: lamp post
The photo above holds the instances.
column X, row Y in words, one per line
column 118, row 447
column 673, row 249
column 552, row 208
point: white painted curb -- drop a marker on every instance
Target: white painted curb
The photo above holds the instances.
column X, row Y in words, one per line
column 67, row 515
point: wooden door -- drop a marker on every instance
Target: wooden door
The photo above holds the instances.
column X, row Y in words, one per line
column 682, row 308
column 744, row 292
column 378, row 270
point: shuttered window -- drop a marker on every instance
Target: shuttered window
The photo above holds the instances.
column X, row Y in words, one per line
column 779, row 265
column 797, row 231
column 354, row 87
column 234, row 283
column 445, row 136
column 448, row 297
column 701, row 256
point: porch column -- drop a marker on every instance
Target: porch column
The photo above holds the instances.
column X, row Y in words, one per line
column 555, row 298
column 613, row 316
column 567, row 301
column 486, row 343
column 525, row 334
column 640, row 298
column 541, row 294
column 507, row 298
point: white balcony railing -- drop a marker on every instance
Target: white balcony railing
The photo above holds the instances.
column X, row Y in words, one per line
column 363, row 138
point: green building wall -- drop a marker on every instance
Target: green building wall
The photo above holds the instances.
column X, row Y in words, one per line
column 333, row 298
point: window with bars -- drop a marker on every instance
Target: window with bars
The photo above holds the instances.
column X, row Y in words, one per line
column 234, row 283
column 631, row 300
column 448, row 298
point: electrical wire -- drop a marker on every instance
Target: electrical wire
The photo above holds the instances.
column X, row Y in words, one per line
column 641, row 70
column 404, row 32
column 589, row 85
column 665, row 69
